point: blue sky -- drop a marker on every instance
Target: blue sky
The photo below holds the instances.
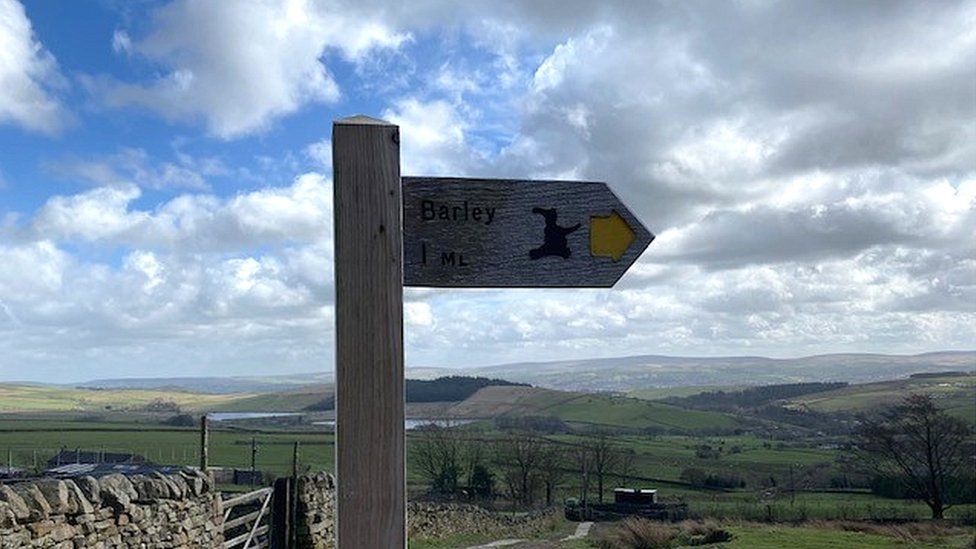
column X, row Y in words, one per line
column 165, row 180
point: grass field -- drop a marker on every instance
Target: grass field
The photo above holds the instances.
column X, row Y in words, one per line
column 286, row 401
column 658, row 464
column 757, row 536
column 955, row 394
column 169, row 446
column 27, row 398
column 582, row 408
column 661, row 393
column 811, row 535
column 588, row 408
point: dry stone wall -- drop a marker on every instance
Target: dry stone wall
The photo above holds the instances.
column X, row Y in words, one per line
column 315, row 520
column 316, row 512
column 114, row 511
column 441, row 520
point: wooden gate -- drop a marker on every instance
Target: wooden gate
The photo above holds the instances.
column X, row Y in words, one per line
column 247, row 520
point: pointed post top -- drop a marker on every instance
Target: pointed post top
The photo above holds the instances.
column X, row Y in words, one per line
column 362, row 120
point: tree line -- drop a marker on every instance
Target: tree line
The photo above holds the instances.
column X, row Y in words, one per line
column 524, row 468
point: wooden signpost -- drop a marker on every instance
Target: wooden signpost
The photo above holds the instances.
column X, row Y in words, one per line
column 444, row 232
column 490, row 233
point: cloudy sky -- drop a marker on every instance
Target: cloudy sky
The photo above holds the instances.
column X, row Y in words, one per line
column 165, row 174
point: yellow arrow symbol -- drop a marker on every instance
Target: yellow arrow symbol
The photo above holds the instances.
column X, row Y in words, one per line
column 610, row 236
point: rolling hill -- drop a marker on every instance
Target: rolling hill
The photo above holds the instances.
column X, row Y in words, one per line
column 46, row 398
column 954, row 392
column 620, row 374
column 479, row 401
column 627, row 374
column 587, row 408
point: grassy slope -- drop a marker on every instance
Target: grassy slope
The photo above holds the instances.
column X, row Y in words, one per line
column 21, row 398
column 956, row 394
column 588, row 408
column 661, row 393
column 288, row 401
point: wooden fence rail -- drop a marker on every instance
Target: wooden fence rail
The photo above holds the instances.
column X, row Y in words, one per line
column 253, row 526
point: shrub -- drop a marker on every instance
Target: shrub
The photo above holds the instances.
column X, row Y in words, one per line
column 705, row 451
column 702, row 533
column 698, row 477
column 181, row 420
column 636, row 533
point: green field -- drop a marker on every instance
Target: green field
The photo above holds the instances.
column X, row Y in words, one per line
column 816, row 534
column 754, row 536
column 579, row 408
column 664, row 441
column 285, row 401
column 636, row 413
column 165, row 446
column 28, row 398
column 661, row 393
column 658, row 463
column 955, row 394
column 589, row 409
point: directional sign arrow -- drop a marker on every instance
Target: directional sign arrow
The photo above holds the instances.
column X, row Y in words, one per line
column 479, row 233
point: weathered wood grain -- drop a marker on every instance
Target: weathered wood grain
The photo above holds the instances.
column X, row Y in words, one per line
column 494, row 250
column 370, row 466
column 204, row 444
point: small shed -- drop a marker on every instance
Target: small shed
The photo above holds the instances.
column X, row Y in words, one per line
column 635, row 496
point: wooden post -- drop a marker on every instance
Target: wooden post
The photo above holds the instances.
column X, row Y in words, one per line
column 204, row 443
column 282, row 519
column 294, row 460
column 254, row 455
column 370, row 464
column 293, row 496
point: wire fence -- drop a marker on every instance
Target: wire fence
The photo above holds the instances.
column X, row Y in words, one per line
column 275, row 457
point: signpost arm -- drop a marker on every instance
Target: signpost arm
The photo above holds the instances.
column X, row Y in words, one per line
column 370, row 438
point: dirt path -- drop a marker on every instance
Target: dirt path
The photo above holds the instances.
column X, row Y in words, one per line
column 582, row 530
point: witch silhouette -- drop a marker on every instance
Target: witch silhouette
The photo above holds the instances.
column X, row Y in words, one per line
column 555, row 236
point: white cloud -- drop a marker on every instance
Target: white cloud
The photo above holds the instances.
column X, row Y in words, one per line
column 240, row 67
column 432, row 138
column 552, row 72
column 320, row 153
column 135, row 167
column 813, row 187
column 201, row 280
column 31, row 271
column 417, row 314
column 29, row 75
column 192, row 222
column 121, row 42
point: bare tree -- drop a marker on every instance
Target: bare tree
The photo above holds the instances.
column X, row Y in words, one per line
column 605, row 458
column 553, row 468
column 584, row 467
column 473, row 453
column 519, row 459
column 437, row 453
column 920, row 446
column 626, row 465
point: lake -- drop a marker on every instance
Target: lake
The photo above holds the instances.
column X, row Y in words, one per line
column 409, row 423
column 414, row 423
